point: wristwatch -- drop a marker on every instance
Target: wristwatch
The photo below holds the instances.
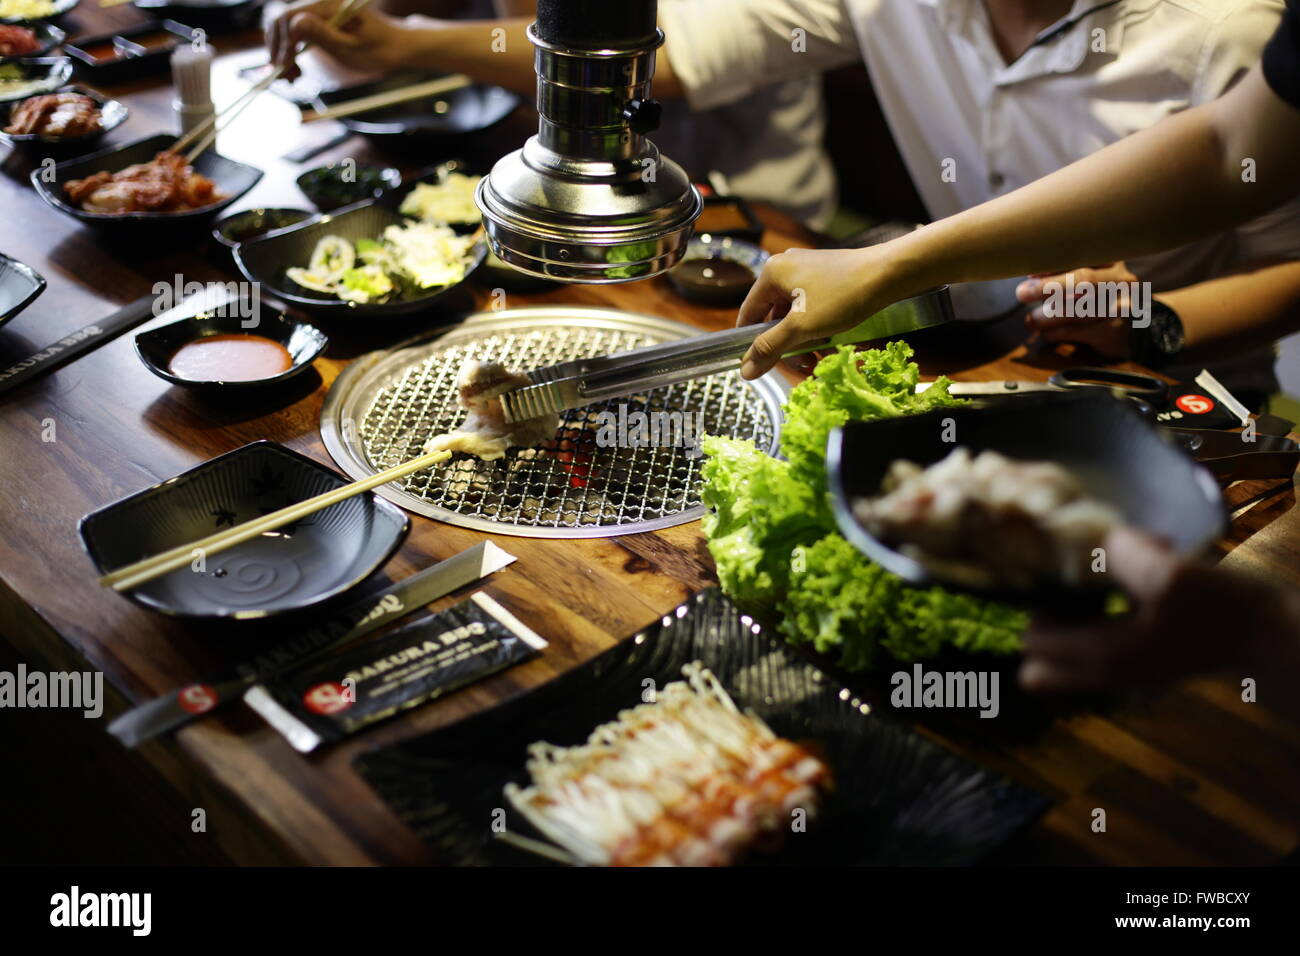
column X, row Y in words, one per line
column 1160, row 340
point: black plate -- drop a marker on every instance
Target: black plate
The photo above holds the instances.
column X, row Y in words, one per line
column 47, row 34
column 232, row 178
column 322, row 556
column 20, row 284
column 157, row 346
column 50, row 73
column 265, row 260
column 432, row 119
column 112, row 115
column 134, row 60
column 345, row 183
column 1118, row 456
column 213, row 16
column 899, row 799
column 60, row 8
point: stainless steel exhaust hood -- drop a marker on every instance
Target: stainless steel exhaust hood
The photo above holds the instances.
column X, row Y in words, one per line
column 590, row 198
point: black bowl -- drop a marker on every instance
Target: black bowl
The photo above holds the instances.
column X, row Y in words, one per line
column 157, row 346
column 47, row 34
column 710, row 289
column 48, row 72
column 1119, row 457
column 60, row 8
column 265, row 260
column 112, row 115
column 344, row 183
column 316, row 559
column 232, row 178
column 210, row 15
column 434, row 120
column 20, row 284
column 252, row 224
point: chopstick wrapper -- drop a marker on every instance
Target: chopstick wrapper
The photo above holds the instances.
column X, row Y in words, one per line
column 415, row 664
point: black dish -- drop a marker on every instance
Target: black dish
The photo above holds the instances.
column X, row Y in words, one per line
column 49, row 73
column 285, row 570
column 133, row 60
column 214, row 16
column 342, row 184
column 20, row 284
column 157, row 346
column 265, row 260
column 1118, row 455
column 232, row 178
column 47, row 34
column 899, row 798
column 112, row 115
column 429, row 121
column 60, row 8
column 717, row 270
column 254, row 223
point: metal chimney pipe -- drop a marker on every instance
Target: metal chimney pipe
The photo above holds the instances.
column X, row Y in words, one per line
column 590, row 198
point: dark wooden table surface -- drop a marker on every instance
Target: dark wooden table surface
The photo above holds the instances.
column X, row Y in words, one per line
column 1192, row 775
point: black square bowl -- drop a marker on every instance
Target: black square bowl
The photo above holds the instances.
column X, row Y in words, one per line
column 48, row 73
column 112, row 114
column 157, row 346
column 20, row 284
column 231, row 178
column 1118, row 456
column 267, row 259
column 294, row 567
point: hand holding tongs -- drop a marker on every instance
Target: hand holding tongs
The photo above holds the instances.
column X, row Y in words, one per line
column 583, row 381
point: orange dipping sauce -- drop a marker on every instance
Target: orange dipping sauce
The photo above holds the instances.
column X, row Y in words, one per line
column 230, row 357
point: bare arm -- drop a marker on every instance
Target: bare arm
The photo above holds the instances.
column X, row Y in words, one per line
column 1177, row 181
column 490, row 51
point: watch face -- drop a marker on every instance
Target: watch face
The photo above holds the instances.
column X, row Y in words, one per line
column 1166, row 329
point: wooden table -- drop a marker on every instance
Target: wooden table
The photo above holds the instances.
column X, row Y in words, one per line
column 1192, row 775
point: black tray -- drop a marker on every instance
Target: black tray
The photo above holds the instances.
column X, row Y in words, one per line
column 900, row 799
column 134, row 62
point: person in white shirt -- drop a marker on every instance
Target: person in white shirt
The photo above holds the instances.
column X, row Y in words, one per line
column 982, row 97
column 763, row 144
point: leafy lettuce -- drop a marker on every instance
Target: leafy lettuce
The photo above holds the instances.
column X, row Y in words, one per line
column 773, row 537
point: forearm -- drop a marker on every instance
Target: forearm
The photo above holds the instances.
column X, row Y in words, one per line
column 496, row 52
column 1244, row 310
column 1177, row 181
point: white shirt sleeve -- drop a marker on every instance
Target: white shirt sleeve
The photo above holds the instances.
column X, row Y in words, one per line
column 723, row 50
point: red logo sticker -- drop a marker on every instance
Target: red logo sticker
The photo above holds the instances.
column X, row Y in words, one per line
column 328, row 698
column 1195, row 404
column 197, row 698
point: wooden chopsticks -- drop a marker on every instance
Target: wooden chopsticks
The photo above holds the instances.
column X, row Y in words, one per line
column 206, row 132
column 417, row 91
column 145, row 570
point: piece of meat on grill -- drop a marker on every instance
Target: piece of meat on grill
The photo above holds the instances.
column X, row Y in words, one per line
column 485, row 433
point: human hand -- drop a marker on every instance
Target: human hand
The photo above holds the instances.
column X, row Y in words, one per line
column 815, row 294
column 1189, row 618
column 369, row 41
column 1105, row 328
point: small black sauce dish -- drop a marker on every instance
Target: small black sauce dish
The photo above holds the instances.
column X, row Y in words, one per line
column 717, row 270
column 344, row 183
column 156, row 347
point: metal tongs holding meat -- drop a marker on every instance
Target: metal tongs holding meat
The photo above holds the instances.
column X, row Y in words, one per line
column 485, row 432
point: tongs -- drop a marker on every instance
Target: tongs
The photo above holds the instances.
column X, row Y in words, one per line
column 583, row 381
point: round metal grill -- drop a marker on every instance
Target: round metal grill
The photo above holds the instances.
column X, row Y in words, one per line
column 385, row 406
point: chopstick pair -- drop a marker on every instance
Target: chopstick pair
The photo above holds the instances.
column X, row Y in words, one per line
column 145, row 570
column 206, row 132
column 417, row 91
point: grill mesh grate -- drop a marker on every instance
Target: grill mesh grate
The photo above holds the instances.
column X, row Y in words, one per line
column 571, row 483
